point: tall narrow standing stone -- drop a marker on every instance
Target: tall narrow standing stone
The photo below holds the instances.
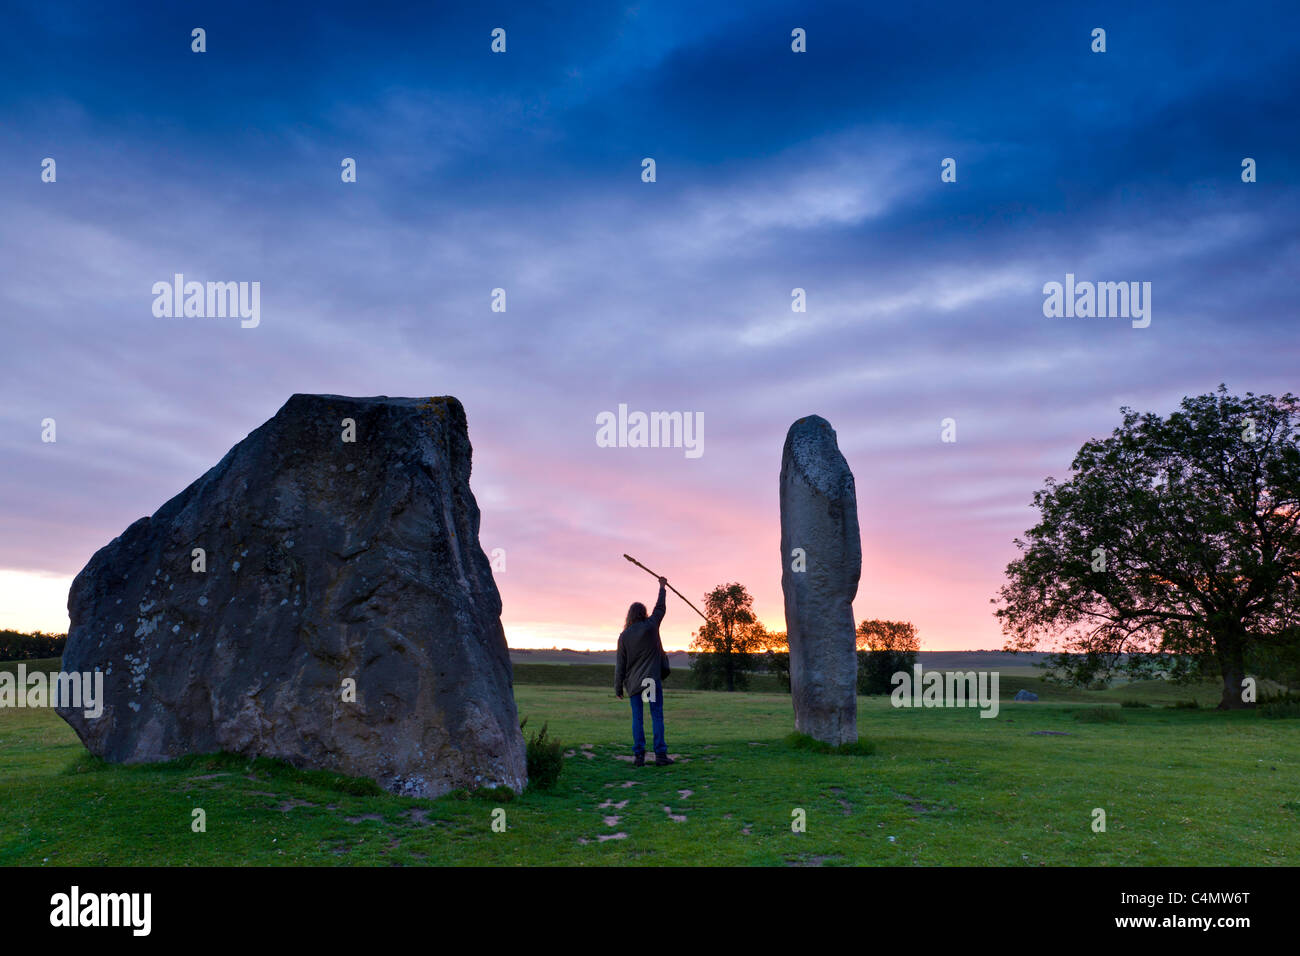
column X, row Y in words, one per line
column 819, row 516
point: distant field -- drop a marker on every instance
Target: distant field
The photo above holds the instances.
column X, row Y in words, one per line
column 957, row 660
column 530, row 656
column 602, row 675
column 530, row 666
column 45, row 664
column 1178, row 787
column 1009, row 682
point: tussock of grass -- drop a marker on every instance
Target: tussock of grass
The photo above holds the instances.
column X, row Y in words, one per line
column 859, row 748
column 1099, row 715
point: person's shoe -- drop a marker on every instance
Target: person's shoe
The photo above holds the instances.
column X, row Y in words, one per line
column 663, row 760
column 638, row 760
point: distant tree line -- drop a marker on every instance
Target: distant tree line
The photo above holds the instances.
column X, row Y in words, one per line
column 884, row 649
column 732, row 645
column 15, row 646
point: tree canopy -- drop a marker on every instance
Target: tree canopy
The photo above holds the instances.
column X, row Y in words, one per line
column 1174, row 535
column 888, row 636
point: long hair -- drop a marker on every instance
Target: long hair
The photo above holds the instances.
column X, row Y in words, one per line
column 635, row 613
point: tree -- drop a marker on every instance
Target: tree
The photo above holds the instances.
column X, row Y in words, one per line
column 1174, row 535
column 888, row 636
column 728, row 638
column 884, row 649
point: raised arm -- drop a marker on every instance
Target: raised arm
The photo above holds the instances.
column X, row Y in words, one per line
column 661, row 605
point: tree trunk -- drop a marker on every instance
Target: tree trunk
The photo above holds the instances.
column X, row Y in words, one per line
column 1231, row 651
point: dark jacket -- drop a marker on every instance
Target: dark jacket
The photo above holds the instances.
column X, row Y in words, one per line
column 640, row 652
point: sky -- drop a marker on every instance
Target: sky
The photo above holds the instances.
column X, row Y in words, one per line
column 522, row 170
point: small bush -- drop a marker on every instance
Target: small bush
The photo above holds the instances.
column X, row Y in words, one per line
column 1099, row 715
column 859, row 748
column 1186, row 705
column 1134, row 703
column 545, row 759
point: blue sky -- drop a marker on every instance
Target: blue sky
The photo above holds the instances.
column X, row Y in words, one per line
column 522, row 171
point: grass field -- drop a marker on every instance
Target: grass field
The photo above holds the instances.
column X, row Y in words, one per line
column 944, row 786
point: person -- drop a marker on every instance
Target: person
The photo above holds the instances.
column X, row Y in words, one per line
column 640, row 670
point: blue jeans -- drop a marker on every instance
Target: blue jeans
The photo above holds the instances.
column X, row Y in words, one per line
column 656, row 720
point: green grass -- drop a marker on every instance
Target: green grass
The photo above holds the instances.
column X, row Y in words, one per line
column 1099, row 715
column 46, row 665
column 602, row 675
column 858, row 748
column 1196, row 787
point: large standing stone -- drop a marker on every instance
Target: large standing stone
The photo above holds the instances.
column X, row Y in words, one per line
column 819, row 516
column 327, row 561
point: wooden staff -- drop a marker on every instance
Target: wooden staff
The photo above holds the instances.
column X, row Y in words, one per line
column 670, row 587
